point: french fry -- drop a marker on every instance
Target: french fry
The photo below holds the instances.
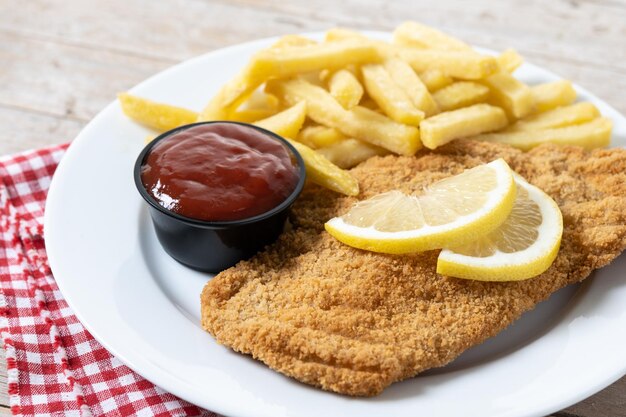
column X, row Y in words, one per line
column 509, row 60
column 511, row 94
column 259, row 100
column 434, row 79
column 384, row 49
column 551, row 95
column 232, row 94
column 468, row 121
column 369, row 103
column 287, row 123
column 460, row 94
column 285, row 62
column 324, row 75
column 392, row 99
column 366, row 97
column 589, row 135
column 289, row 61
column 158, row 116
column 323, row 172
column 250, row 115
column 377, row 129
column 421, row 36
column 321, row 106
column 561, row 116
column 350, row 152
column 404, row 77
column 447, row 61
column 313, row 78
column 359, row 123
column 337, row 34
column 346, row 88
column 320, row 136
column 465, row 65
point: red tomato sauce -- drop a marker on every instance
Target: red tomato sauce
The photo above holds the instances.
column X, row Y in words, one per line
column 219, row 172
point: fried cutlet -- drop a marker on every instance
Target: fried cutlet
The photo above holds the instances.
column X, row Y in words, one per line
column 353, row 321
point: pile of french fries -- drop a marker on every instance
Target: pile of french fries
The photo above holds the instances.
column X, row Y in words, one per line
column 349, row 98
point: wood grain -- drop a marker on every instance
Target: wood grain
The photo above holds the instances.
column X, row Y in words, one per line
column 608, row 403
column 63, row 61
column 27, row 128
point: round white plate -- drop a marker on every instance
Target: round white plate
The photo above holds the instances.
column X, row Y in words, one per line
column 144, row 307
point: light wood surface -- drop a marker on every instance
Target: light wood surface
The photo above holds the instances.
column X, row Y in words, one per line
column 63, row 61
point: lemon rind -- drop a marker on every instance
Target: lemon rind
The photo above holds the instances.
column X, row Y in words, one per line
column 506, row 267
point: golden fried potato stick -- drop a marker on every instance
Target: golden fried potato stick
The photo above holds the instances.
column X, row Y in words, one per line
column 321, row 171
column 319, row 136
column 158, row 116
column 561, row 116
column 287, row 123
column 460, row 94
column 465, row 65
column 351, row 152
column 336, row 34
column 551, row 95
column 259, row 100
column 232, row 94
column 324, row 75
column 434, row 79
column 384, row 49
column 285, row 62
column 405, row 78
column 346, row 88
column 425, row 37
column 589, row 135
column 369, row 103
column 444, row 127
column 359, row 123
column 509, row 60
column 162, row 117
column 250, row 115
column 389, row 96
column 289, row 61
column 511, row 94
column 375, row 128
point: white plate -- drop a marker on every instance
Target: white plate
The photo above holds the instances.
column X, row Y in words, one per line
column 144, row 307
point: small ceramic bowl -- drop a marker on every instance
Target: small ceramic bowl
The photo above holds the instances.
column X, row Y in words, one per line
column 213, row 246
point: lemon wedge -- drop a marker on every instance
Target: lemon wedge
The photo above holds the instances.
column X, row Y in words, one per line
column 524, row 246
column 449, row 212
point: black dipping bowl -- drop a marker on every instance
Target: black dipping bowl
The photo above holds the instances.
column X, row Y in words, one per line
column 214, row 246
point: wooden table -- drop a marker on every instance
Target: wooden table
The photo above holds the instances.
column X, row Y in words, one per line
column 63, row 61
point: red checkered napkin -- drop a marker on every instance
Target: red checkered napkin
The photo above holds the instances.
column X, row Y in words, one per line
column 55, row 367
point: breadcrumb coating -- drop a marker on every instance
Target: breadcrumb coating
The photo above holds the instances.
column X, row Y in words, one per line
column 353, row 322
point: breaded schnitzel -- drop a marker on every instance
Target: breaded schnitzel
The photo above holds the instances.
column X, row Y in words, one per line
column 353, row 322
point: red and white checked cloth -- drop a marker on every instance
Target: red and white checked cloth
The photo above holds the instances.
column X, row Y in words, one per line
column 54, row 366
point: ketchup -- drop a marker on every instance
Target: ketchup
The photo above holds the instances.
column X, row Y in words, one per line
column 219, row 172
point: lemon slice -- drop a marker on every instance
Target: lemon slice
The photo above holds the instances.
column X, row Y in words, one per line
column 524, row 246
column 452, row 211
